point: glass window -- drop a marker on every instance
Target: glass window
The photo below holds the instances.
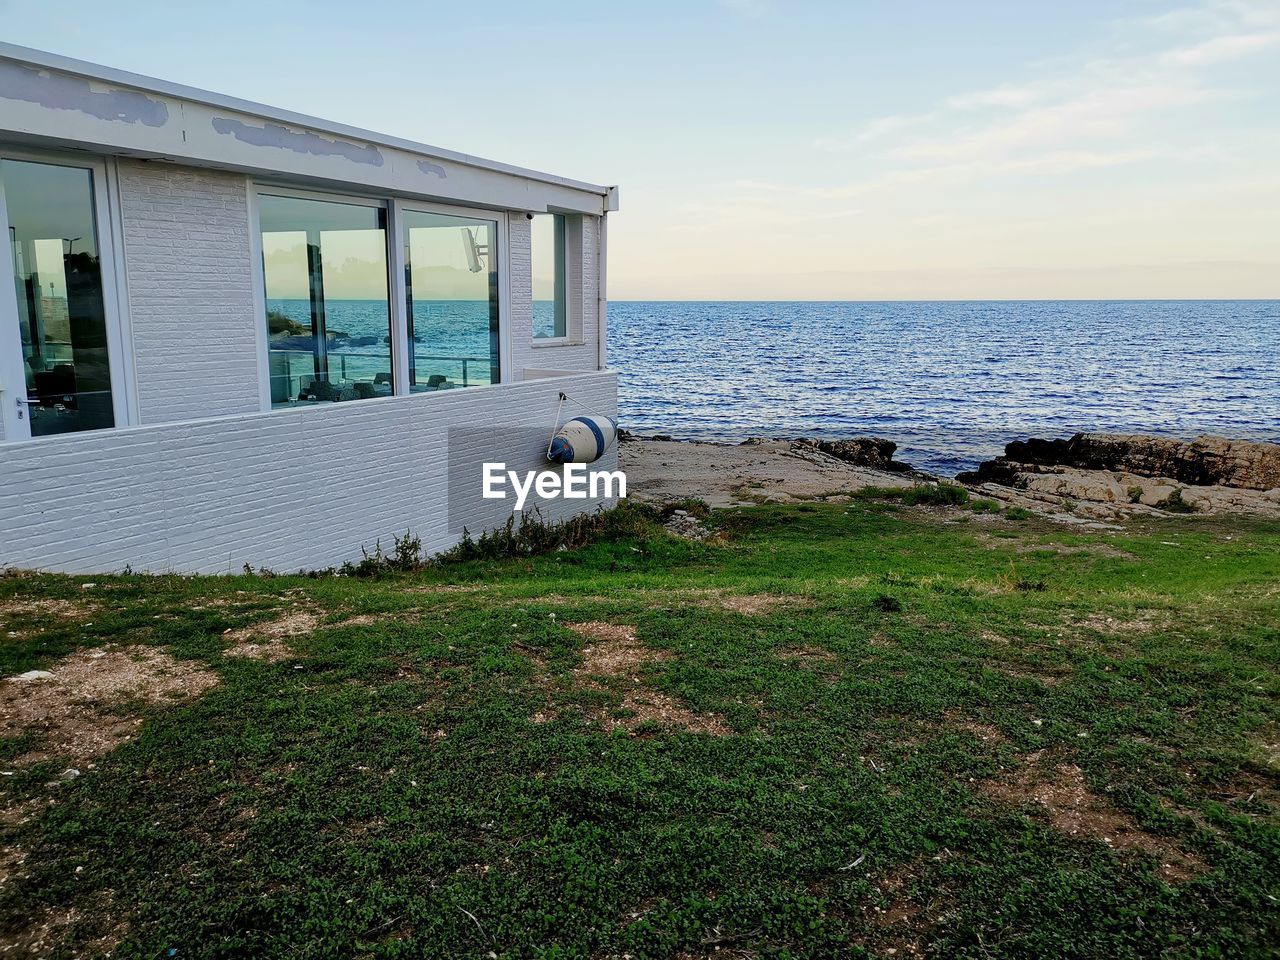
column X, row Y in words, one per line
column 547, row 240
column 451, row 280
column 328, row 318
column 53, row 240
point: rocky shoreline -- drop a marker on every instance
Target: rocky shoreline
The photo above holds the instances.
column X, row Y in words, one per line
column 1087, row 477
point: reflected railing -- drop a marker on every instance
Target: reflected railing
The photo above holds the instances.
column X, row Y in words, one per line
column 360, row 376
column 424, row 377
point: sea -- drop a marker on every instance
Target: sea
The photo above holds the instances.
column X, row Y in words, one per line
column 950, row 382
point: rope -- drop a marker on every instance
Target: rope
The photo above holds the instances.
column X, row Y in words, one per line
column 556, row 429
column 560, row 409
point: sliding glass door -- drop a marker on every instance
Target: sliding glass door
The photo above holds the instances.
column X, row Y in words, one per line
column 328, row 313
column 56, row 335
column 451, row 294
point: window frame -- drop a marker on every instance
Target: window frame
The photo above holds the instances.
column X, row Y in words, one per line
column 572, row 247
column 400, row 206
column 560, row 243
column 396, row 207
column 270, row 188
column 114, row 302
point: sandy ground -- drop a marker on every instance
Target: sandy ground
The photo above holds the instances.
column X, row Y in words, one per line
column 726, row 475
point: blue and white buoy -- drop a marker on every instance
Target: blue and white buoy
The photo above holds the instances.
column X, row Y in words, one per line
column 583, row 440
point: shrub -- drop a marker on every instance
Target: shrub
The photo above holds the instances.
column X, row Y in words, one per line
column 527, row 536
column 405, row 557
column 1174, row 503
column 1135, row 494
column 936, row 494
column 984, row 506
column 691, row 505
column 1018, row 513
column 880, row 493
column 532, row 535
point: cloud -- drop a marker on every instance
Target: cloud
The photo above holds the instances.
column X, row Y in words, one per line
column 879, row 129
column 1220, row 49
column 999, row 97
column 1084, row 162
column 1103, row 113
column 1216, row 16
column 1075, row 115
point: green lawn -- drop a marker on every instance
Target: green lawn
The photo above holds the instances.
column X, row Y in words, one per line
column 926, row 724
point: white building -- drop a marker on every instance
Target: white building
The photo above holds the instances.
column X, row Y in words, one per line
column 238, row 335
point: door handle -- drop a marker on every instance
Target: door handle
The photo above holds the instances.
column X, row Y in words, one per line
column 22, row 403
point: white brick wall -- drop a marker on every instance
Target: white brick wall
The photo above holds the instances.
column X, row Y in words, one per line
column 520, row 288
column 191, row 297
column 583, row 297
column 289, row 489
column 208, row 482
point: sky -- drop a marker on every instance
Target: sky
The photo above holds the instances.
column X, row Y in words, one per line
column 771, row 150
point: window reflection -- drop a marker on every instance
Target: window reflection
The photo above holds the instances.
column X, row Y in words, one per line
column 452, row 283
column 547, row 254
column 328, row 318
column 53, row 242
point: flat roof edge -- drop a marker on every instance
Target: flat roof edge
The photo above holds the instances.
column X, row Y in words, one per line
column 98, row 72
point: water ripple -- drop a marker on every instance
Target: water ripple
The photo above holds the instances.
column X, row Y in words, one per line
column 950, row 382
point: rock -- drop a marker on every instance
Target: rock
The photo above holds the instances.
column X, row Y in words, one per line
column 1204, row 461
column 683, row 524
column 1115, row 476
column 873, row 452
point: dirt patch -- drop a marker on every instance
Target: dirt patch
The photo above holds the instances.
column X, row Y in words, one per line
column 52, row 931
column 614, row 650
column 613, row 661
column 18, row 614
column 449, row 588
column 642, row 705
column 1066, row 550
column 1113, row 626
column 811, row 657
column 64, row 609
column 362, row 620
column 986, row 732
column 1267, row 744
column 753, row 604
column 1049, row 676
column 748, row 604
column 266, row 641
column 898, row 916
column 1059, row 790
column 74, row 708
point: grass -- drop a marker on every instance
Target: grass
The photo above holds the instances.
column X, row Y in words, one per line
column 386, row 793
